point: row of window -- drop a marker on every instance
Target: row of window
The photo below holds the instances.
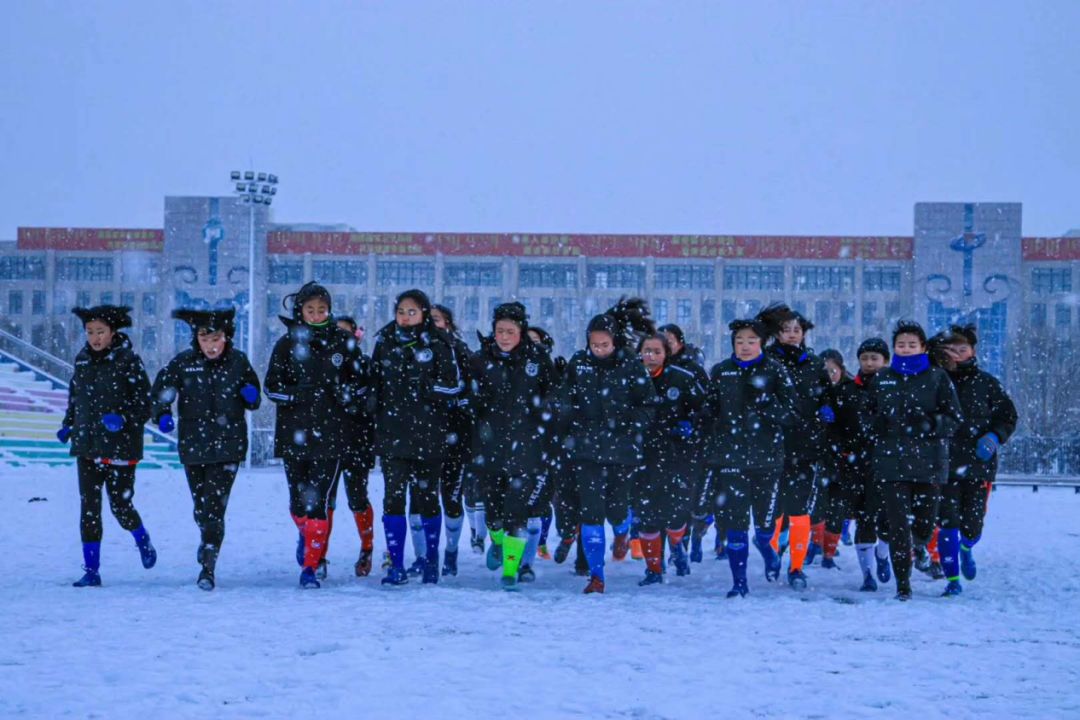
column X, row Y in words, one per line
column 1048, row 281
column 1040, row 315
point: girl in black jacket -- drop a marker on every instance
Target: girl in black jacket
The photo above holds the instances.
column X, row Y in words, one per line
column 513, row 381
column 664, row 488
column 751, row 406
column 989, row 420
column 914, row 411
column 417, row 384
column 317, row 383
column 214, row 384
column 609, row 401
column 108, row 404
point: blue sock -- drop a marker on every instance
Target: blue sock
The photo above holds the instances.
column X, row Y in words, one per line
column 624, row 527
column 709, row 520
column 141, row 536
column 453, row 532
column 949, row 549
column 432, row 531
column 532, row 542
column 967, row 544
column 783, row 538
column 738, row 550
column 763, row 538
column 395, row 527
column 592, row 537
column 91, row 553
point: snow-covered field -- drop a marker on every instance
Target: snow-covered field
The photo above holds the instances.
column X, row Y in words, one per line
column 149, row 644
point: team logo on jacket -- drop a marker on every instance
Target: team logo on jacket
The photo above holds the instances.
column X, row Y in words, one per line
column 337, row 359
column 423, row 355
column 673, row 393
column 532, row 369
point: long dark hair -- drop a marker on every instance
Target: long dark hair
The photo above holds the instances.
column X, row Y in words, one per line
column 625, row 321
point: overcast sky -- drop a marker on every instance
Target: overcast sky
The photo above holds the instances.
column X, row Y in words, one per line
column 660, row 117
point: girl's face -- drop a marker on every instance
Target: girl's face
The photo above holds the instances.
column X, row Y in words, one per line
column 792, row 333
column 408, row 313
column 315, row 311
column 98, row 335
column 507, row 335
column 653, row 354
column 747, row 344
column 211, row 342
column 871, row 362
column 834, row 370
column 907, row 344
column 673, row 343
column 439, row 319
column 960, row 352
column 535, row 337
column 601, row 344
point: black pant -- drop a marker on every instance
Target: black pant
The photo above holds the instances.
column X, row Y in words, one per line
column 451, row 481
column 210, row 486
column 730, row 494
column 604, row 492
column 797, row 489
column 567, row 501
column 418, row 478
column 355, row 475
column 508, row 500
column 912, row 509
column 310, row 482
column 544, row 497
column 866, row 502
column 963, row 506
column 119, row 484
column 662, row 493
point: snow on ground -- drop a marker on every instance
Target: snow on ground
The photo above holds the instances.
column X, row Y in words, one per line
column 149, row 644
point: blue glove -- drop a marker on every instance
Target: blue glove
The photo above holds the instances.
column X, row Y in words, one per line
column 63, row 434
column 827, row 415
column 165, row 423
column 250, row 394
column 112, row 422
column 683, row 429
column 987, row 447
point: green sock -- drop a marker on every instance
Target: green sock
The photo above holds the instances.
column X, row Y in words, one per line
column 513, row 548
column 497, row 536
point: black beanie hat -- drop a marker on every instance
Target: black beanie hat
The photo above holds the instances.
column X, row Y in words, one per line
column 211, row 320
column 115, row 316
column 513, row 311
column 309, row 291
column 874, row 345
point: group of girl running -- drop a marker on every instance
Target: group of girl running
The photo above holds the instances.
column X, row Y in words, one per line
column 776, row 446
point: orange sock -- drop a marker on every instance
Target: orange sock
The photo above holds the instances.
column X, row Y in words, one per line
column 675, row 536
column 775, row 542
column 365, row 525
column 817, row 534
column 799, row 539
column 299, row 521
column 932, row 547
column 832, row 540
column 652, row 545
column 315, row 532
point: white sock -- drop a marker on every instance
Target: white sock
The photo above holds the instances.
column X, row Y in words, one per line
column 883, row 549
column 453, row 531
column 419, row 541
column 532, row 541
column 481, row 522
column 866, row 557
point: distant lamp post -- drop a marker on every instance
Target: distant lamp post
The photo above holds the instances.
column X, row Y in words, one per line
column 255, row 189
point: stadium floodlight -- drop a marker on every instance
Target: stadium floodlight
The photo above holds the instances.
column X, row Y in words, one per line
column 273, row 190
column 267, row 199
column 261, row 177
column 271, row 178
column 256, row 199
column 253, row 187
column 241, row 187
column 266, row 189
column 249, row 175
column 234, row 175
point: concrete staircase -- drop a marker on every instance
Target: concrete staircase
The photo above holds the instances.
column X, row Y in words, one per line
column 32, row 406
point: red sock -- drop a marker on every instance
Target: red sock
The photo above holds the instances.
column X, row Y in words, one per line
column 932, row 547
column 315, row 533
column 831, row 542
column 817, row 534
column 365, row 525
column 652, row 546
column 299, row 521
column 676, row 536
column 799, row 539
column 775, row 542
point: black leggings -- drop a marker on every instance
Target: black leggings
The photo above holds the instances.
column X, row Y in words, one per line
column 797, row 490
column 865, row 502
column 210, row 486
column 912, row 509
column 119, row 484
column 418, row 478
column 662, row 494
column 355, row 475
column 731, row 494
column 508, row 500
column 567, row 501
column 604, row 492
column 452, row 482
column 310, row 482
column 963, row 506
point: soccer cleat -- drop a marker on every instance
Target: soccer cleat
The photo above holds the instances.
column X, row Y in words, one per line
column 308, row 581
column 418, row 567
column 206, row 580
column 596, row 585
column 967, row 563
column 90, row 579
column 721, row 552
column 581, row 568
column 797, row 580
column 868, row 583
column 363, row 564
column 772, row 560
column 696, row 554
column 651, row 578
column 903, row 594
column 682, row 563
column 147, row 553
column 449, row 562
column 322, row 569
column 884, row 570
column 812, row 552
column 494, row 556
column 921, row 559
column 635, row 549
column 829, row 564
column 542, row 551
column 431, row 573
column 739, row 589
column 562, row 550
column 526, row 574
column 509, row 583
column 952, row 589
column 620, row 547
column 936, row 572
column 396, row 576
column 477, row 543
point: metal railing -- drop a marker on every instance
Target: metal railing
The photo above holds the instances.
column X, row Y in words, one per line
column 56, row 369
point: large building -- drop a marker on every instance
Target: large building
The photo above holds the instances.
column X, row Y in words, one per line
column 963, row 261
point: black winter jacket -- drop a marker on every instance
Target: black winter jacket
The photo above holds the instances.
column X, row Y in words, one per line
column 608, row 404
column 318, row 382
column 679, row 398
column 851, row 436
column 913, row 418
column 750, row 409
column 211, row 425
column 111, row 381
column 511, row 401
column 986, row 408
column 810, row 380
column 416, row 386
